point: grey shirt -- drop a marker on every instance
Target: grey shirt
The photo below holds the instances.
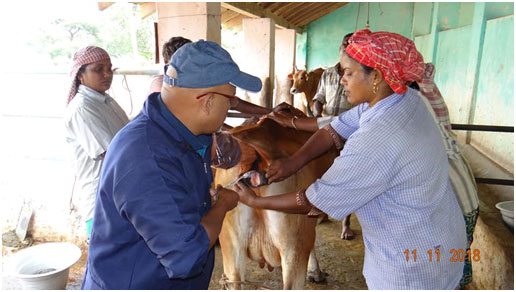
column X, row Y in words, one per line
column 331, row 94
column 91, row 120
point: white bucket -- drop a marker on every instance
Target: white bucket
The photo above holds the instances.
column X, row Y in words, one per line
column 507, row 210
column 44, row 266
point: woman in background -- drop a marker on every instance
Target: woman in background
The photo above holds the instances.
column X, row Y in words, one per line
column 92, row 119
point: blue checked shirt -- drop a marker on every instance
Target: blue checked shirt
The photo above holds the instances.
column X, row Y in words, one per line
column 393, row 173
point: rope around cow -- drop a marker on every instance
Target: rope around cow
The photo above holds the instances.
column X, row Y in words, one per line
column 224, row 282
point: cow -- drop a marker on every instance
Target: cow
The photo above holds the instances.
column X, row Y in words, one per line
column 306, row 83
column 271, row 238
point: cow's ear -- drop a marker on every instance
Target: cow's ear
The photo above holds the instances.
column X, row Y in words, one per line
column 290, row 76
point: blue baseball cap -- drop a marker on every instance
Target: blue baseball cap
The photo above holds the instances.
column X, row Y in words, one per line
column 204, row 64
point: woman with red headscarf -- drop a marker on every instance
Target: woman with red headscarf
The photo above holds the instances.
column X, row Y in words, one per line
column 392, row 172
column 92, row 119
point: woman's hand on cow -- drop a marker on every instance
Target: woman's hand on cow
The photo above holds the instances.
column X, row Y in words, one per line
column 226, row 197
column 281, row 169
column 247, row 196
column 282, row 118
column 285, row 107
column 282, row 107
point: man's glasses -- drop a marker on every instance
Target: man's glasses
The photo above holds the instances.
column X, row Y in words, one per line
column 233, row 100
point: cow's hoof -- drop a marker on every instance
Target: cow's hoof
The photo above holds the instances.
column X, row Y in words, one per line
column 347, row 234
column 316, row 276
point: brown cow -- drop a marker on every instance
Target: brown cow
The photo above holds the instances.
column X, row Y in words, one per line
column 306, row 83
column 269, row 237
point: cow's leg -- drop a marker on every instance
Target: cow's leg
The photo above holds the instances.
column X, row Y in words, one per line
column 347, row 233
column 293, row 268
column 314, row 273
column 233, row 256
column 234, row 273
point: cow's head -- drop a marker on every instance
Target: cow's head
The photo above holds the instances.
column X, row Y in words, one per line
column 260, row 144
column 300, row 81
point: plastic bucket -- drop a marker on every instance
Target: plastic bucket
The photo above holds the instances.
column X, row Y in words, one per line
column 45, row 266
column 507, row 210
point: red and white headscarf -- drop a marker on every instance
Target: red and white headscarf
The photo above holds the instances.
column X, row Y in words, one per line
column 394, row 55
column 84, row 56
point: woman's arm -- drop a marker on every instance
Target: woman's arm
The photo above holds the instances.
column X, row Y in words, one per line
column 288, row 203
column 319, row 143
column 318, row 109
column 291, row 121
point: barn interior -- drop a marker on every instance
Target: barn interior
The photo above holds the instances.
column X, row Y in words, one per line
column 470, row 43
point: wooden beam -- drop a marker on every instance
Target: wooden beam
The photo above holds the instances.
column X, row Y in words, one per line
column 104, row 5
column 265, row 5
column 228, row 15
column 288, row 6
column 251, row 9
column 303, row 11
column 235, row 23
column 321, row 13
column 315, row 12
column 275, row 6
column 147, row 8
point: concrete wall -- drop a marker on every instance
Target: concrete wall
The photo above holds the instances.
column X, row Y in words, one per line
column 471, row 44
column 194, row 20
column 285, row 50
column 494, row 98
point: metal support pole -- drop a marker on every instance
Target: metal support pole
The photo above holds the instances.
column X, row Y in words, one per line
column 494, row 181
column 466, row 127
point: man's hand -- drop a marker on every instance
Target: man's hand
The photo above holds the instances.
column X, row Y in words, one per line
column 281, row 169
column 318, row 109
column 247, row 196
column 225, row 197
column 223, row 201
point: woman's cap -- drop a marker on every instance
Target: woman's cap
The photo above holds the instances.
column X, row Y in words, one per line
column 205, row 64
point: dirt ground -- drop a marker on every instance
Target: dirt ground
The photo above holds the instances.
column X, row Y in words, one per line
column 341, row 259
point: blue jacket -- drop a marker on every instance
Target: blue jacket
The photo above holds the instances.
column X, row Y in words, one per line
column 153, row 191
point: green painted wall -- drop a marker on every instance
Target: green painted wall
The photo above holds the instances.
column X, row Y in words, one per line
column 451, row 68
column 495, row 92
column 454, row 15
column 325, row 34
column 301, row 50
column 471, row 44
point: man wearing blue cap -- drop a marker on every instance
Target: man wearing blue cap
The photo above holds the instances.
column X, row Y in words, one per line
column 154, row 226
